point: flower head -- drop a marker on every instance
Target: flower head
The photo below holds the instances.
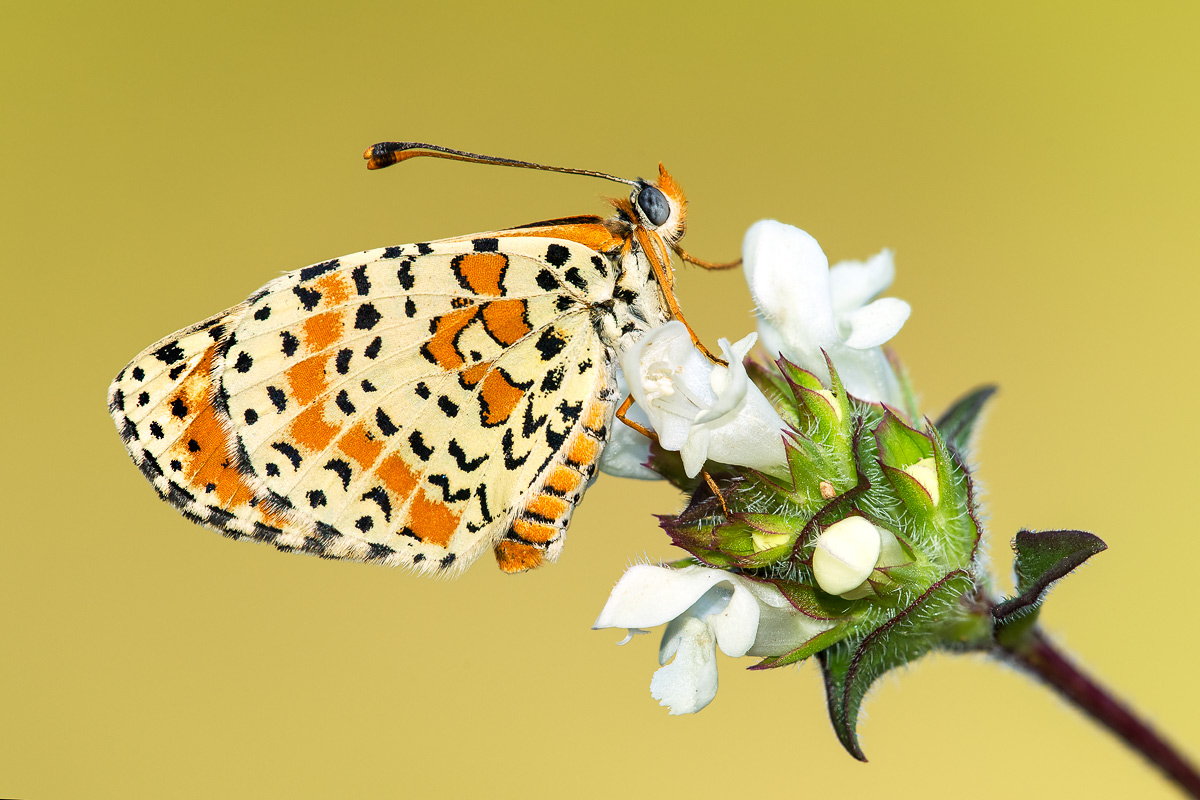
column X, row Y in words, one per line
column 703, row 410
column 703, row 609
column 806, row 307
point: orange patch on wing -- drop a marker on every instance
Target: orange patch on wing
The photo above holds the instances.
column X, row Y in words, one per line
column 322, row 330
column 548, row 507
column 534, row 531
column 333, row 288
column 358, row 445
column 584, row 450
column 564, row 480
column 441, row 346
column 482, row 273
column 592, row 235
column 594, row 418
column 498, row 397
column 396, row 476
column 307, row 379
column 310, row 429
column 517, row 557
column 431, row 521
column 474, row 373
column 506, row 320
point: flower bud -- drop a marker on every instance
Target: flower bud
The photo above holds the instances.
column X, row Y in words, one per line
column 925, row 473
column 845, row 555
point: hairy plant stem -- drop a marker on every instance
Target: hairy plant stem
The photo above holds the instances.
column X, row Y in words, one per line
column 1037, row 655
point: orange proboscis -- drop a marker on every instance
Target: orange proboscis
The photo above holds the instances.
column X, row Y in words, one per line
column 517, row 557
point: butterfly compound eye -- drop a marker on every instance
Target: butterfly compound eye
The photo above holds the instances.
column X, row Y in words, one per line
column 654, row 205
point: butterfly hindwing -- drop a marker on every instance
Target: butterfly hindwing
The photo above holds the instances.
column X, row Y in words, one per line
column 413, row 405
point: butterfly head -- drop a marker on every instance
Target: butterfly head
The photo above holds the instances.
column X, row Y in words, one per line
column 660, row 206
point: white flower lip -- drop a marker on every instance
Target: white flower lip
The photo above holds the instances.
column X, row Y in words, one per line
column 703, row 609
column 845, row 555
column 703, row 410
column 805, row 307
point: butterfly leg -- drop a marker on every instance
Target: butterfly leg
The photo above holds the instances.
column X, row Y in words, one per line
column 706, row 264
column 653, row 436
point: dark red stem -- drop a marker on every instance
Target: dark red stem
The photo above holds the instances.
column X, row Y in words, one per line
column 1036, row 654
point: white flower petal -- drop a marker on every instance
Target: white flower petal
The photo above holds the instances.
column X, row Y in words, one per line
column 736, row 626
column 689, row 682
column 788, row 275
column 648, row 596
column 866, row 374
column 872, row 325
column 853, row 284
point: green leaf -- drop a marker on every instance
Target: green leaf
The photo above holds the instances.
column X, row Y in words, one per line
column 958, row 423
column 851, row 666
column 1042, row 558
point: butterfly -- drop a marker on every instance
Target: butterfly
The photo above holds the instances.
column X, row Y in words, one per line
column 412, row 405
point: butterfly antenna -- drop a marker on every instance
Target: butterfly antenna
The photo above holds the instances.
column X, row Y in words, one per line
column 386, row 154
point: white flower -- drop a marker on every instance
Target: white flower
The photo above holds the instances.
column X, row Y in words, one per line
column 700, row 409
column 627, row 451
column 806, row 307
column 703, row 609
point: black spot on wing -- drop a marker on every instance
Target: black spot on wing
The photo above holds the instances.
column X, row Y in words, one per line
column 550, row 344
column 460, row 457
column 308, row 297
column 177, row 370
column 511, row 462
column 316, row 498
column 443, row 483
column 485, row 245
column 405, row 275
column 448, row 407
column 262, row 313
column 278, row 398
column 178, row 408
column 291, row 453
column 552, row 380
column 380, row 497
column 361, row 284
column 169, row 353
column 575, row 279
column 342, row 469
column 244, row 362
column 372, row 350
column 417, row 442
column 290, row 343
column 343, row 403
column 386, row 426
column 308, row 273
column 392, row 252
column 367, row 317
column 557, row 255
column 546, row 280
column 342, row 363
column 600, row 266
column 138, row 373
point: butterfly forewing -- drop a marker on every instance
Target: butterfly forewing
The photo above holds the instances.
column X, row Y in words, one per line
column 412, row 404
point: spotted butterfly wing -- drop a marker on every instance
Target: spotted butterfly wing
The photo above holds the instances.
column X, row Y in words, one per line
column 412, row 405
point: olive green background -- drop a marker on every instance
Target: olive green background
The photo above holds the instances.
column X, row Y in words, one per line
column 1034, row 167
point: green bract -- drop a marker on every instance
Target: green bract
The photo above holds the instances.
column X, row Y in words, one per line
column 847, row 458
